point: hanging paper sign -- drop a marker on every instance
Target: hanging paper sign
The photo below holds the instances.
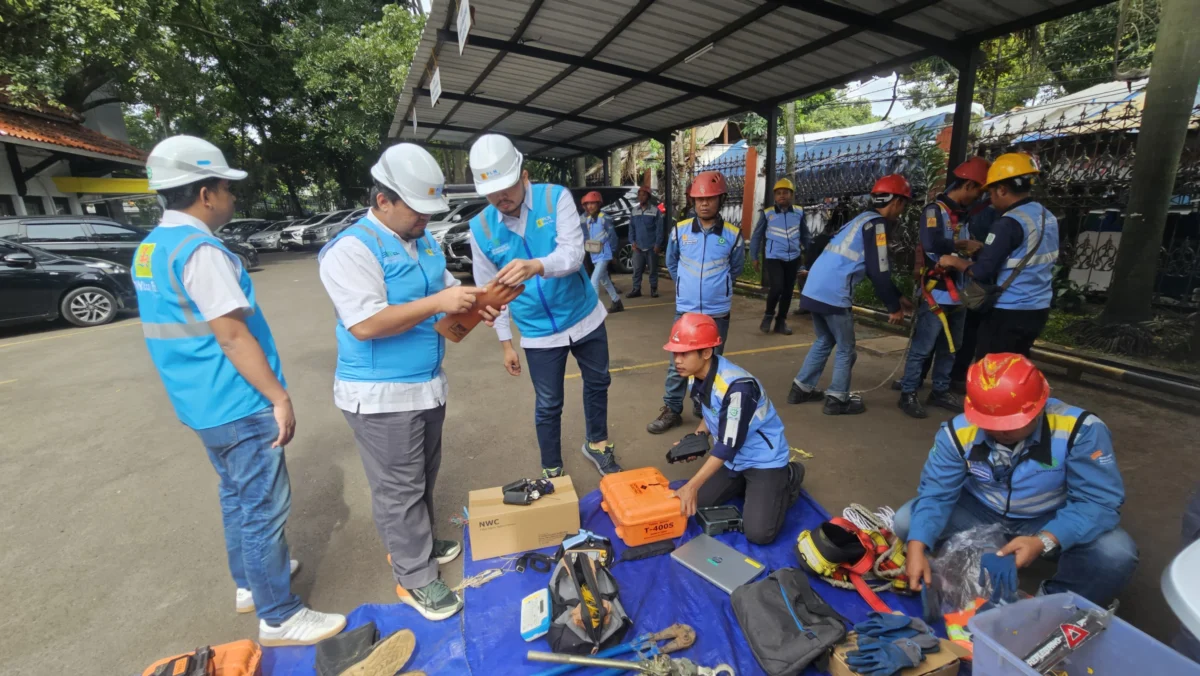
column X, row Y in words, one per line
column 435, row 86
column 464, row 23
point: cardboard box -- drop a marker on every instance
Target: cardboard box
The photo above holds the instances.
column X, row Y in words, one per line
column 944, row 662
column 498, row 529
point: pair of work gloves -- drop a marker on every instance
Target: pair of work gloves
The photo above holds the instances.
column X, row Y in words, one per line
column 889, row 643
column 1001, row 572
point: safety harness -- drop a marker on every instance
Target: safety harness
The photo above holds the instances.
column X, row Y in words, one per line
column 928, row 277
column 866, row 560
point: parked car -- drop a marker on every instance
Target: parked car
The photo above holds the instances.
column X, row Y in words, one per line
column 267, row 239
column 463, row 207
column 310, row 233
column 456, row 245
column 331, row 229
column 94, row 237
column 240, row 229
column 37, row 285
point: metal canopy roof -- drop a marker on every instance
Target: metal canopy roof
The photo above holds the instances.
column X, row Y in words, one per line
column 566, row 77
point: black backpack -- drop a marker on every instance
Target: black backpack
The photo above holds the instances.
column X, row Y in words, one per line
column 787, row 625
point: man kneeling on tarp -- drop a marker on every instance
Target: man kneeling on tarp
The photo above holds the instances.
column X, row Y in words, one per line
column 749, row 434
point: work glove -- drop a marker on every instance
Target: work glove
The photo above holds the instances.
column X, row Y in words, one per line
column 889, row 627
column 928, row 643
column 884, row 658
column 1001, row 571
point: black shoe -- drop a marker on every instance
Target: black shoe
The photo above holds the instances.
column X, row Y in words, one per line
column 765, row 326
column 362, row 648
column 852, row 406
column 654, row 293
column 616, row 307
column 959, row 387
column 911, row 405
column 945, row 400
column 797, row 395
column 666, row 420
column 782, row 327
column 636, row 293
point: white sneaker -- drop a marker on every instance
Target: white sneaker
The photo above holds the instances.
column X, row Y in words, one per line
column 306, row 627
column 245, row 600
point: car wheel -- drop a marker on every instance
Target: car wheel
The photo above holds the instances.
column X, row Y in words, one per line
column 625, row 259
column 88, row 306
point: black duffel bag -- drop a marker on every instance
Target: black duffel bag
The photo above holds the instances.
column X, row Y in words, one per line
column 787, row 625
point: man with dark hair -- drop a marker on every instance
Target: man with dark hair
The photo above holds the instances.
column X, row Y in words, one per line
column 389, row 285
column 214, row 352
column 1020, row 251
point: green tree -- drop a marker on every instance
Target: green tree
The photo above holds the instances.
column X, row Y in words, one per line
column 830, row 109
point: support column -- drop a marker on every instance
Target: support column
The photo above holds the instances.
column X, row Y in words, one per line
column 580, row 171
column 967, row 66
column 772, row 152
column 607, row 160
column 669, row 182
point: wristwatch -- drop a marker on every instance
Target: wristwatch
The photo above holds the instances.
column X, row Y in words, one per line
column 1048, row 543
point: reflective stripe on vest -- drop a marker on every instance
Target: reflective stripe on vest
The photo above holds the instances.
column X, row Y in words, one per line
column 835, row 273
column 950, row 231
column 765, row 446
column 783, row 236
column 547, row 306
column 1032, row 289
column 704, row 283
column 414, row 356
column 1030, row 488
column 204, row 386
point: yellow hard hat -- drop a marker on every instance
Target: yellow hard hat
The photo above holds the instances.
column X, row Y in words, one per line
column 1011, row 165
column 784, row 183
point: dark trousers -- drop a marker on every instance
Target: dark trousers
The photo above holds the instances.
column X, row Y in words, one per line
column 768, row 492
column 966, row 351
column 644, row 259
column 781, row 280
column 1003, row 330
column 547, row 369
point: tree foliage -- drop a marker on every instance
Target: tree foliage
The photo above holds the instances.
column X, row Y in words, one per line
column 830, row 109
column 1060, row 57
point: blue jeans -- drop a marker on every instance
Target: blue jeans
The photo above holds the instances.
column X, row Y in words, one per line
column 255, row 500
column 832, row 330
column 600, row 278
column 929, row 337
column 1096, row 570
column 676, row 385
column 547, row 369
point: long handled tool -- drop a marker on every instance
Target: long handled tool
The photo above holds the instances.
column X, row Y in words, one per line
column 677, row 636
column 661, row 665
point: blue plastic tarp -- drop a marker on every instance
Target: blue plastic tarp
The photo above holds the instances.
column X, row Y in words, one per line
column 656, row 593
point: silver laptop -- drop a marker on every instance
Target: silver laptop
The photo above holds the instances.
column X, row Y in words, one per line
column 718, row 563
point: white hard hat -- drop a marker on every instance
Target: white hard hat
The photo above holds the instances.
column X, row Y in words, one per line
column 412, row 173
column 181, row 160
column 495, row 164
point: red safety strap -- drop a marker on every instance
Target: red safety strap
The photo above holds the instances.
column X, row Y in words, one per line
column 864, row 565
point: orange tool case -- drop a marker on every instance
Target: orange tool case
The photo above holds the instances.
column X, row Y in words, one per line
column 641, row 506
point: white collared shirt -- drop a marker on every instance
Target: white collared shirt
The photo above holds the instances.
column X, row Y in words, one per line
column 210, row 276
column 353, row 278
column 564, row 260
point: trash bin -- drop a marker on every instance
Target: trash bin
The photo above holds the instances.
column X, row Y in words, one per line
column 1004, row 635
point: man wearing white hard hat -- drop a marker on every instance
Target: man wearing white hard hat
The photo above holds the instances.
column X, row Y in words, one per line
column 212, row 347
column 530, row 234
column 389, row 285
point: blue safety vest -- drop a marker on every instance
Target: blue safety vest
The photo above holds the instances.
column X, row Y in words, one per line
column 764, row 446
column 941, row 296
column 597, row 229
column 1036, row 482
column 414, row 356
column 1032, row 289
column 832, row 278
column 783, row 233
column 644, row 226
column 548, row 305
column 204, row 386
column 705, row 284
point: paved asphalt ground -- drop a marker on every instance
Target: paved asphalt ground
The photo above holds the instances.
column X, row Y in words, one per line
column 111, row 536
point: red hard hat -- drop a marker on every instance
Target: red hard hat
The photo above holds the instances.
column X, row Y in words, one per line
column 974, row 169
column 1005, row 392
column 708, row 184
column 693, row 331
column 892, row 184
column 592, row 196
column 644, row 188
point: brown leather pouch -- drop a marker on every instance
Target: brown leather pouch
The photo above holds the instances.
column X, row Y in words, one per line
column 456, row 327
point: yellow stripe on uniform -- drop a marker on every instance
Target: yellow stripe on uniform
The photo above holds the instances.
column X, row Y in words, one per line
column 966, row 435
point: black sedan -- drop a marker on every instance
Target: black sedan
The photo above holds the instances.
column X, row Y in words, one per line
column 37, row 285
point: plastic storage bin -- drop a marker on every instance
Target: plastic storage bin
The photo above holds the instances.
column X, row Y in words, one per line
column 1004, row 635
column 640, row 504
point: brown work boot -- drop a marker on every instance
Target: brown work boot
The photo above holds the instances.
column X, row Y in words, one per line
column 666, row 420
